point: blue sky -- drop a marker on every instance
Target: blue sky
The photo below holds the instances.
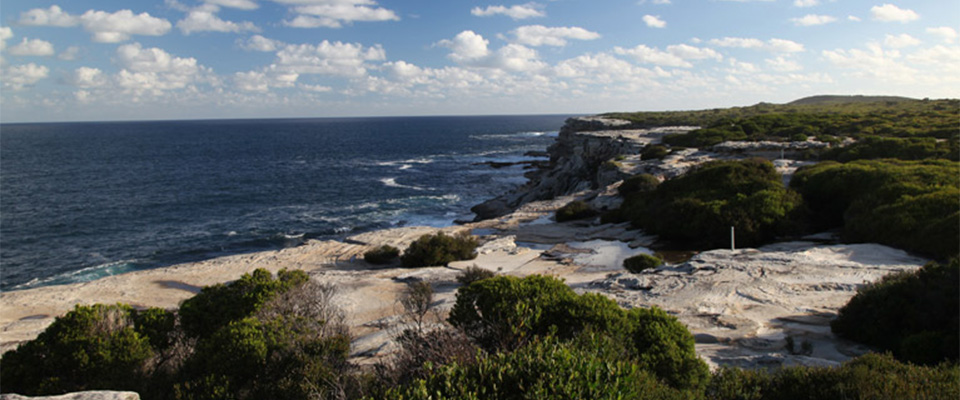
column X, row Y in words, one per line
column 186, row 59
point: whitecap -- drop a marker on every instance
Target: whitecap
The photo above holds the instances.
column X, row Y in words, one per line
column 392, row 182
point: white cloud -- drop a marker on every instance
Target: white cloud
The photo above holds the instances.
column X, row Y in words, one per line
column 942, row 57
column 642, row 2
column 853, row 18
column 674, row 56
column 947, row 34
column 466, row 46
column 201, row 20
column 328, row 58
column 135, row 58
column 86, row 77
column 805, row 3
column 901, row 41
column 69, row 54
column 53, row 16
column 16, row 77
column 872, row 62
column 262, row 81
column 529, row 10
column 260, row 43
column 5, row 33
column 600, row 68
column 32, row 47
column 783, row 64
column 892, row 13
column 772, row 45
column 813, row 19
column 119, row 26
column 539, row 35
column 654, row 21
column 241, row 4
column 514, row 57
column 335, row 13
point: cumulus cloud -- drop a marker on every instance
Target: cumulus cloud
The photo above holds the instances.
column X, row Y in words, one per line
column 783, row 64
column 5, row 33
column 69, row 54
column 901, row 41
column 105, row 27
column 872, row 62
column 805, row 3
column 470, row 49
column 892, row 13
column 943, row 57
column 466, row 46
column 335, row 13
column 206, row 19
column 87, row 77
column 53, row 16
column 524, row 11
column 17, row 77
column 260, row 43
column 813, row 19
column 138, row 59
column 853, row 18
column 539, row 35
column 674, row 56
column 947, row 34
column 772, row 45
column 262, row 81
column 328, row 58
column 32, row 47
column 654, row 21
column 241, row 4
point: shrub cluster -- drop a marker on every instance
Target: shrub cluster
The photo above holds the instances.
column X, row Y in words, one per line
column 701, row 206
column 915, row 315
column 439, row 250
column 641, row 262
column 382, row 255
column 575, row 210
column 474, row 273
column 906, row 204
column 654, row 152
column 875, row 147
column 638, row 183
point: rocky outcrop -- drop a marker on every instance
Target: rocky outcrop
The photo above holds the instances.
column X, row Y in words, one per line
column 90, row 395
column 582, row 158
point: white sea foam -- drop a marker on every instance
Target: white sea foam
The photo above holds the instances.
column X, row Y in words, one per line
column 392, row 182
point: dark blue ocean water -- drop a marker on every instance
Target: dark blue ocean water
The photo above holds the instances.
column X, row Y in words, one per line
column 79, row 201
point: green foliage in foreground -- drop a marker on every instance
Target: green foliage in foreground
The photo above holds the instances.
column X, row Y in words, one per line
column 575, row 210
column 91, row 347
column 701, row 206
column 640, row 262
column 915, row 315
column 439, row 250
column 906, row 204
column 382, row 255
column 505, row 313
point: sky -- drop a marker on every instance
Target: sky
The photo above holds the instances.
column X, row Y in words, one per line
column 106, row 60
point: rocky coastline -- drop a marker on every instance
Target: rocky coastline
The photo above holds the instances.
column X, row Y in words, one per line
column 742, row 305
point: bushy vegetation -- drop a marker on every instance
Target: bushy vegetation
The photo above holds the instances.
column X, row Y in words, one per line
column 654, row 152
column 701, row 206
column 474, row 273
column 439, row 250
column 505, row 313
column 915, row 315
column 382, row 255
column 913, row 148
column 640, row 262
column 575, row 210
column 906, row 204
column 638, row 183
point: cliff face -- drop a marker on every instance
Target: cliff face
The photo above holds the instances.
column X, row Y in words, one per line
column 576, row 163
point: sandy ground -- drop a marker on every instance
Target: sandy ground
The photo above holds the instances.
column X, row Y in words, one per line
column 741, row 305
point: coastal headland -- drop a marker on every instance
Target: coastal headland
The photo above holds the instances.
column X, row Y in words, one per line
column 743, row 305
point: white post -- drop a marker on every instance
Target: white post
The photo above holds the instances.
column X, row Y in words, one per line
column 733, row 240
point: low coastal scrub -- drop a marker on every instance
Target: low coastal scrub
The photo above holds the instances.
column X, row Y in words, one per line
column 474, row 273
column 915, row 315
column 701, row 206
column 874, row 147
column 639, row 183
column 641, row 262
column 575, row 210
column 654, row 152
column 911, row 205
column 439, row 250
column 382, row 255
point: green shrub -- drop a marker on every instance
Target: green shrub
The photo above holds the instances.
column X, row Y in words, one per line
column 91, row 347
column 907, row 204
column 654, row 152
column 575, row 210
column 439, row 250
column 218, row 305
column 641, row 262
column 914, row 315
column 639, row 183
column 664, row 346
column 474, row 273
column 798, row 137
column 701, row 206
column 546, row 369
column 382, row 255
column 874, row 147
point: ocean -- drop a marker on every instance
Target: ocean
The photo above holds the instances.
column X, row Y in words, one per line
column 79, row 201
